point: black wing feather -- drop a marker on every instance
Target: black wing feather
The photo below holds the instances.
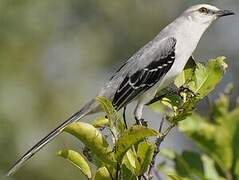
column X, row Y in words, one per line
column 143, row 79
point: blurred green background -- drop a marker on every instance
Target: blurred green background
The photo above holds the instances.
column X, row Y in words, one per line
column 55, row 55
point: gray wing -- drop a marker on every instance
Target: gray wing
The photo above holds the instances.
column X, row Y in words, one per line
column 144, row 71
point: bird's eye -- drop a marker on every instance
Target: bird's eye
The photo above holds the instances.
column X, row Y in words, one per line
column 203, row 10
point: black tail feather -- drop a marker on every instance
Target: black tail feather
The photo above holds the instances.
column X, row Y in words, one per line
column 39, row 145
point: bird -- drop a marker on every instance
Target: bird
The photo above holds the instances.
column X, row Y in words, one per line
column 151, row 68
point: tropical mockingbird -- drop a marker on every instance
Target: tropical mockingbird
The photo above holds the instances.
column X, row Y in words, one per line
column 152, row 68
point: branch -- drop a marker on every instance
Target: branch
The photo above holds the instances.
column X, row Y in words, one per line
column 158, row 143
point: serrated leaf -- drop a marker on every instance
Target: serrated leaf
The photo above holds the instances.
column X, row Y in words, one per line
column 130, row 137
column 203, row 81
column 207, row 77
column 93, row 139
column 145, row 153
column 77, row 160
column 102, row 174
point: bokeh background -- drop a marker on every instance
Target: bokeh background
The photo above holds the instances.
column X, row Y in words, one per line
column 55, row 55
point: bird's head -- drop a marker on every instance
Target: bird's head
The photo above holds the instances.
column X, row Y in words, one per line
column 205, row 13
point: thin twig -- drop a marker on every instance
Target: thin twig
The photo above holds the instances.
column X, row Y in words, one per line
column 117, row 177
column 144, row 176
column 158, row 142
column 161, row 125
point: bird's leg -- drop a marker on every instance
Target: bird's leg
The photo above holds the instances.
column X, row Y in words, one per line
column 124, row 117
column 138, row 112
column 141, row 122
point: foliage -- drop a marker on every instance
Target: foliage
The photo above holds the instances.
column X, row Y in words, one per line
column 217, row 136
column 130, row 153
column 76, row 159
column 111, row 157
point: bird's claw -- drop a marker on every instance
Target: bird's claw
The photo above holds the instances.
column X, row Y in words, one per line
column 141, row 122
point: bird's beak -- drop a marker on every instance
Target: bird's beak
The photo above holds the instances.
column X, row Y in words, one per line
column 222, row 13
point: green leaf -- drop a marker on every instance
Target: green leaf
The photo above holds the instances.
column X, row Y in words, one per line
column 218, row 138
column 172, row 101
column 187, row 73
column 190, row 165
column 93, row 139
column 175, row 177
column 102, row 174
column 166, row 169
column 184, row 110
column 112, row 114
column 207, row 77
column 127, row 174
column 237, row 169
column 145, row 153
column 130, row 137
column 185, row 167
column 203, row 81
column 130, row 161
column 100, row 122
column 202, row 133
column 193, row 162
column 227, row 139
column 77, row 160
column 170, row 154
column 197, row 124
column 210, row 171
column 222, row 104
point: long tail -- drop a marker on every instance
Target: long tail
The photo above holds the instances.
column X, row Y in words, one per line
column 87, row 109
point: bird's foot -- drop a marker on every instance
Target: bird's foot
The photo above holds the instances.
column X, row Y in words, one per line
column 141, row 122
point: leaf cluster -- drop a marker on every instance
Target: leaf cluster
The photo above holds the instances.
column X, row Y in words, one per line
column 127, row 157
column 130, row 153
